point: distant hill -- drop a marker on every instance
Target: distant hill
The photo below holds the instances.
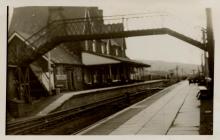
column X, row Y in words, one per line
column 164, row 66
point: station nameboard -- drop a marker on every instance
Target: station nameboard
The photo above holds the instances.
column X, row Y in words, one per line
column 61, row 77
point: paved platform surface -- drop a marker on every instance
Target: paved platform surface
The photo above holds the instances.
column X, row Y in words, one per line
column 173, row 111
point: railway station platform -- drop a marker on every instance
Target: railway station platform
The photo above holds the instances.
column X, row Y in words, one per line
column 172, row 111
column 76, row 99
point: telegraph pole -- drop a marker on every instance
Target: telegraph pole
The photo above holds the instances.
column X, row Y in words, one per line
column 205, row 68
column 210, row 47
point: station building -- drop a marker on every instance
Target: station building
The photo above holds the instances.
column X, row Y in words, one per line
column 70, row 66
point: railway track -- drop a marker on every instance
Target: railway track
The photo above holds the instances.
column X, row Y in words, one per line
column 43, row 124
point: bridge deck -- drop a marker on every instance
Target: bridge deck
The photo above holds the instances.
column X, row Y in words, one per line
column 44, row 47
column 175, row 112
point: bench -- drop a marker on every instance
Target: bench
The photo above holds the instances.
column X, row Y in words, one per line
column 202, row 93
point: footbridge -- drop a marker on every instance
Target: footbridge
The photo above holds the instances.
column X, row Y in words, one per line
column 97, row 28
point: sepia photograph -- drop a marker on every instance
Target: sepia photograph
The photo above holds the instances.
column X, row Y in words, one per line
column 110, row 67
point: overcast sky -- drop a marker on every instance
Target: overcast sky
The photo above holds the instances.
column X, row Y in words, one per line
column 160, row 47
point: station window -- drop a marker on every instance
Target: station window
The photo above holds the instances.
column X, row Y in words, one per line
column 60, row 70
column 86, row 45
column 116, row 52
column 95, row 80
column 103, row 48
column 94, row 46
column 87, row 77
column 122, row 49
column 108, row 49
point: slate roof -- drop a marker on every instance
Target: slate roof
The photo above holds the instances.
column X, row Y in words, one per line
column 60, row 56
column 31, row 19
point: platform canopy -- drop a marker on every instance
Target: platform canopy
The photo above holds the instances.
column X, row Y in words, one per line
column 90, row 58
column 93, row 59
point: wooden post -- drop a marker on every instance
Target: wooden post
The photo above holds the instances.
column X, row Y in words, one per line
column 110, row 72
column 24, row 84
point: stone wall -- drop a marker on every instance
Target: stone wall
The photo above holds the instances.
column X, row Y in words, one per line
column 96, row 95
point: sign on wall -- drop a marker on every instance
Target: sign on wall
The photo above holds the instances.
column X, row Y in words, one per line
column 61, row 77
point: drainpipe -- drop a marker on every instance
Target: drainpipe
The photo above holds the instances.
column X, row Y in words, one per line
column 110, row 72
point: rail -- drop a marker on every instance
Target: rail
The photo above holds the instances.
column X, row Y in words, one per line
column 35, row 124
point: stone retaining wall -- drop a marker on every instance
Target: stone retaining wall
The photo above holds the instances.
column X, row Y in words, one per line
column 92, row 96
